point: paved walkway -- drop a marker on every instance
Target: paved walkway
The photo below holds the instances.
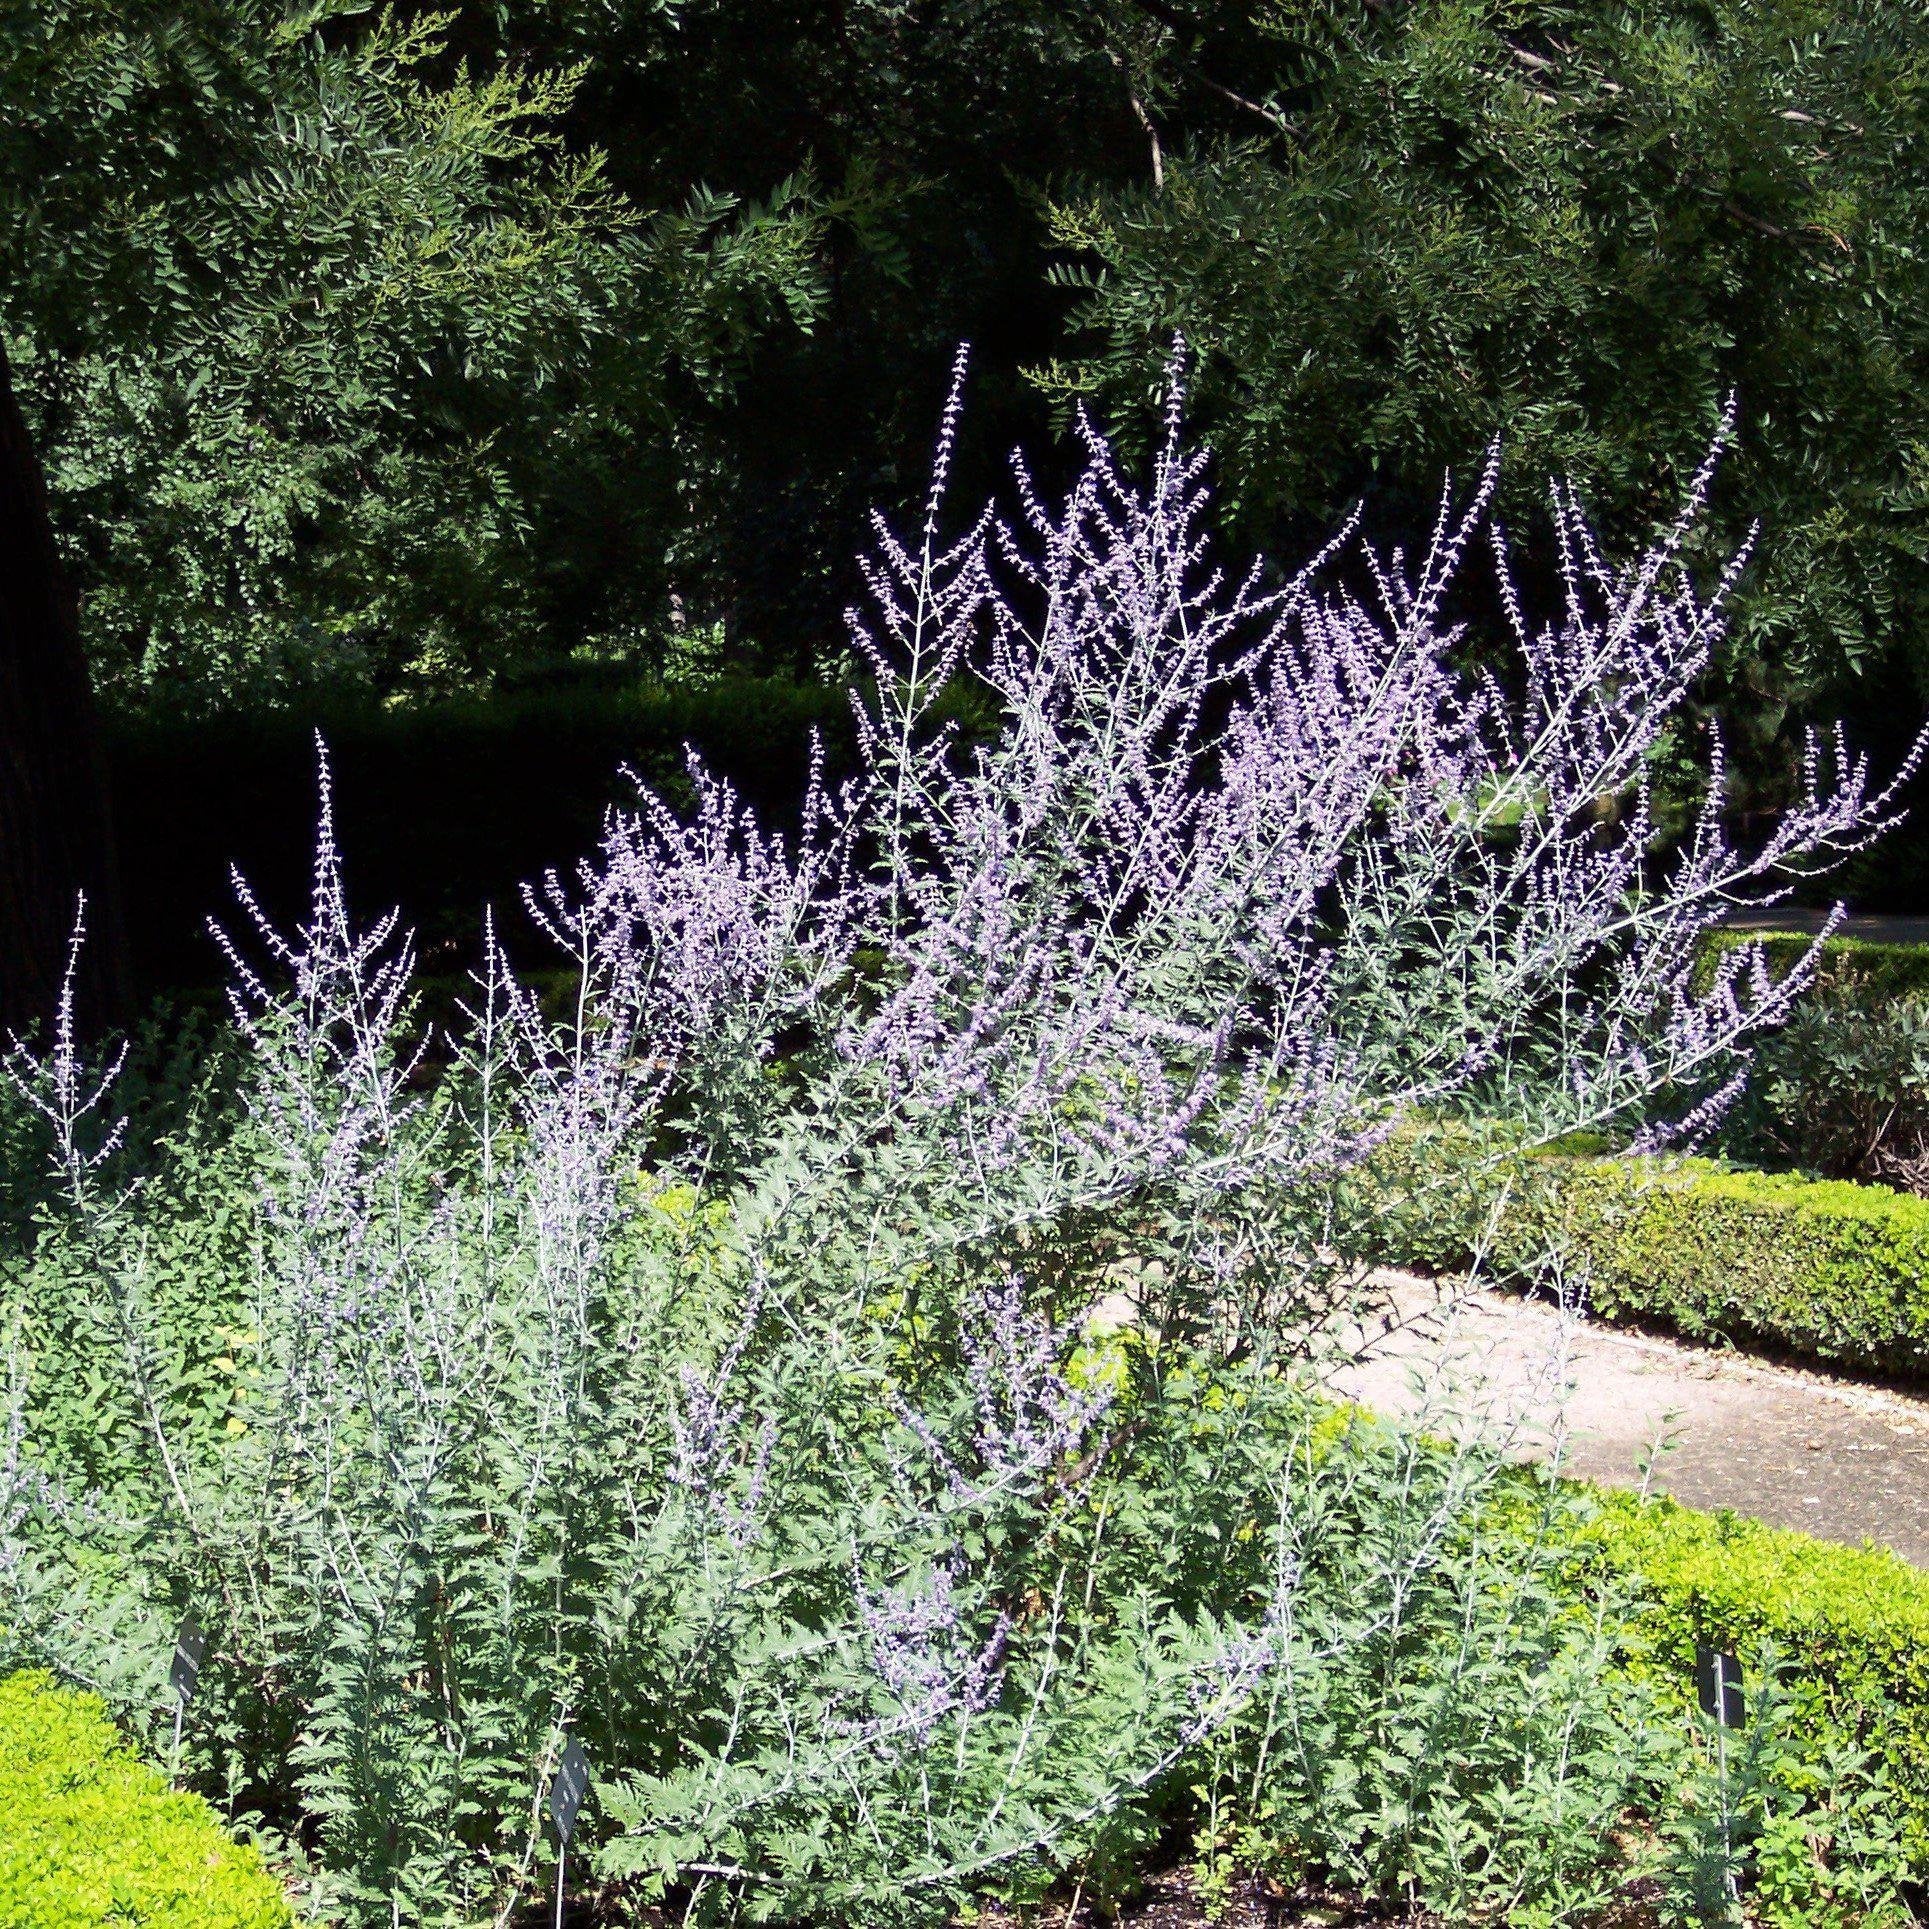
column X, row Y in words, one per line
column 1875, row 928
column 1797, row 1449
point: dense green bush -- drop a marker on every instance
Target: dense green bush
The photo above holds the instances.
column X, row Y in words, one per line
column 90, row 1837
column 1849, row 1628
column 1822, row 1807
column 342, row 373
column 1464, row 1746
column 199, row 1171
column 1833, row 1270
column 1857, row 968
column 1842, row 1089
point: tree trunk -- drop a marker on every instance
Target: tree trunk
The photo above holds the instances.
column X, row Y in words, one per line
column 56, row 832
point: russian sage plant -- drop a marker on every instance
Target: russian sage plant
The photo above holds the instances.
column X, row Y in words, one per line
column 842, row 1368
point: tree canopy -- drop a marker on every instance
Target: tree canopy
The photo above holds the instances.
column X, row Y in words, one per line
column 1575, row 228
column 343, row 368
column 414, row 350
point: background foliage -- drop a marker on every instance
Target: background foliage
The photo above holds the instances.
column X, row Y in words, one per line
column 404, row 350
column 344, row 372
column 1577, row 228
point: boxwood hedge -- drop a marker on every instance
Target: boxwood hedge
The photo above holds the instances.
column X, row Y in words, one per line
column 1850, row 967
column 1822, row 1268
column 1850, row 1627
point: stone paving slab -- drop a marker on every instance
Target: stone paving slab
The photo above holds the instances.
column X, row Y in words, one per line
column 1831, row 1456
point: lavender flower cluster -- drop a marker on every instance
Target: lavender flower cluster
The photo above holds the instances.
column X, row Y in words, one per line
column 1248, row 871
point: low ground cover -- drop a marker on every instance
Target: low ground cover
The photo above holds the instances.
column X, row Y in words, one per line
column 91, row 1836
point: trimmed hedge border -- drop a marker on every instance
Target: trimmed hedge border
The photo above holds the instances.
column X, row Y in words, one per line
column 1850, row 1625
column 1819, row 1268
column 1823, row 1268
column 1862, row 967
column 90, row 1836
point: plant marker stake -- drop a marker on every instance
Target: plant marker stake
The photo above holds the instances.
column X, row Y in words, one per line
column 1718, row 1684
column 190, row 1647
column 1718, row 1687
column 566, row 1794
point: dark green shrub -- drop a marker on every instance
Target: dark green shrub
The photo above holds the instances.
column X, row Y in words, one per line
column 1842, row 1090
column 1570, row 228
column 91, row 1836
column 1836, row 1271
column 448, row 806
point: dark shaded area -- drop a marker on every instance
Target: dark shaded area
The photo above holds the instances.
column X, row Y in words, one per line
column 1882, row 714
column 56, row 834
column 1168, row 1898
column 929, row 137
column 441, row 810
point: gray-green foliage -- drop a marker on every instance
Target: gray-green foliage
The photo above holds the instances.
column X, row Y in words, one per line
column 477, row 1434
column 1466, row 1744
column 198, row 1193
column 324, row 340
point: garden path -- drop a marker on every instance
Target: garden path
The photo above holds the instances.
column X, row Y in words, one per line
column 1828, row 1454
column 1879, row 928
